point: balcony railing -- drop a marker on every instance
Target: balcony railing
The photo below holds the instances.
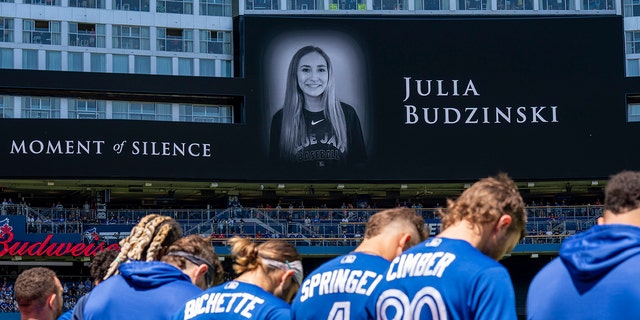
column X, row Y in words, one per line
column 316, row 226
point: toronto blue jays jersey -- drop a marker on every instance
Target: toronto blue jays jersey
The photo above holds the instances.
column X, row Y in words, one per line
column 320, row 147
column 235, row 300
column 444, row 279
column 340, row 288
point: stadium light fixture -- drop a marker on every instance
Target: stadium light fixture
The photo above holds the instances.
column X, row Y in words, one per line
column 340, row 186
column 281, row 185
column 531, row 184
column 213, row 185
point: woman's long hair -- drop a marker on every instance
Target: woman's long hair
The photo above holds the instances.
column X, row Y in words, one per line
column 294, row 128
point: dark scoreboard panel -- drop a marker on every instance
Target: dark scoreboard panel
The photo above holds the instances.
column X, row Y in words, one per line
column 437, row 98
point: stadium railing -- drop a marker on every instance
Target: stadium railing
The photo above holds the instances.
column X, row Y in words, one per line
column 545, row 224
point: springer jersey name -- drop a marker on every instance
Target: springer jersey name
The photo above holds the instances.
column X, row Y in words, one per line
column 343, row 285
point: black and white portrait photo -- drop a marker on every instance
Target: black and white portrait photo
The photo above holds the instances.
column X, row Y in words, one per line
column 317, row 100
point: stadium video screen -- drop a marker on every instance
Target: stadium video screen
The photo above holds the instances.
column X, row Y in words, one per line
column 376, row 98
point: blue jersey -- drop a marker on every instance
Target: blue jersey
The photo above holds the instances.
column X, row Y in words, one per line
column 235, row 300
column 341, row 287
column 444, row 279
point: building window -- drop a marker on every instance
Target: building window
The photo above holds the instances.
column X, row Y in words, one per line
column 6, row 58
column 262, row 4
column 54, row 60
column 432, row 5
column 130, row 37
column 472, row 5
column 75, row 61
column 215, row 8
column 204, row 113
column 633, row 67
column 597, row 5
column 632, row 39
column 98, row 62
column 6, row 30
column 207, row 68
column 30, row 59
column 97, row 4
column 131, row 5
column 632, row 8
column 87, row 35
column 390, row 4
column 349, row 4
column 164, row 66
column 185, row 67
column 43, row 2
column 176, row 6
column 141, row 111
column 40, row 108
column 633, row 112
column 515, row 4
column 557, row 4
column 87, row 109
column 179, row 40
column 305, row 5
column 120, row 63
column 6, row 107
column 215, row 42
column 142, row 64
column 225, row 68
column 41, row 32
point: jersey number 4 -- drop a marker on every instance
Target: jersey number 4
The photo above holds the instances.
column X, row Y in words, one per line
column 341, row 310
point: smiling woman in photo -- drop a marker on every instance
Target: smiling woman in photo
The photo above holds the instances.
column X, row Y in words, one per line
column 314, row 128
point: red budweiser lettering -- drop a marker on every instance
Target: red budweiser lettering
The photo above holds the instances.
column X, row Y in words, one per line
column 51, row 249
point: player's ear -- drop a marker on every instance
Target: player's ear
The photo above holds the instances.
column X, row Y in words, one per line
column 195, row 274
column 288, row 286
column 287, row 275
column 404, row 242
column 51, row 301
column 504, row 222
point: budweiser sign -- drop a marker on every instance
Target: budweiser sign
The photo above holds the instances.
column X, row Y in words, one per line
column 46, row 247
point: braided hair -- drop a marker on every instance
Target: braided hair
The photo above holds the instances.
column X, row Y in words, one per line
column 148, row 240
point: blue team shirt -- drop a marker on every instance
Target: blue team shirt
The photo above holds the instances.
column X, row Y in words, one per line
column 444, row 279
column 595, row 277
column 235, row 300
column 340, row 288
column 143, row 290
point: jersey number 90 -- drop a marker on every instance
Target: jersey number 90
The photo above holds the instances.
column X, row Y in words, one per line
column 395, row 305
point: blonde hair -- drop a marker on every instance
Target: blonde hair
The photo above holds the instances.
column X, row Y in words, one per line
column 405, row 217
column 294, row 131
column 247, row 255
column 486, row 201
column 146, row 241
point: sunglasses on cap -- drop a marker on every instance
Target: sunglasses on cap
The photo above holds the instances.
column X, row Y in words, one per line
column 209, row 277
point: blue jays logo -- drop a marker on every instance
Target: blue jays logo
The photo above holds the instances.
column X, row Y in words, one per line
column 6, row 231
column 92, row 234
